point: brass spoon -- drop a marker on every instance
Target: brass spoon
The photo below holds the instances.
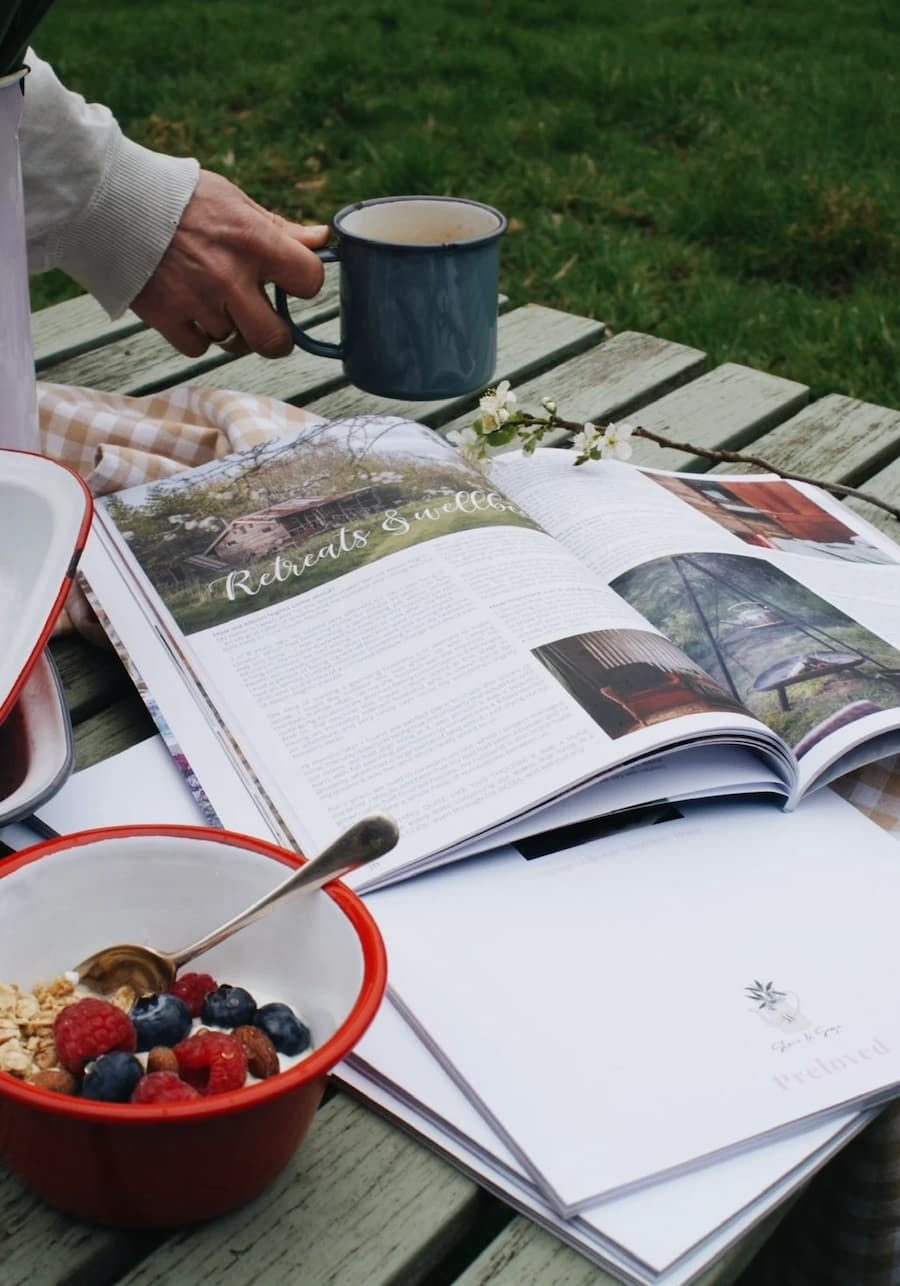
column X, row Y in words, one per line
column 148, row 970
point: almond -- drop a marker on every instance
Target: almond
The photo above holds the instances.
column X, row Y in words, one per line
column 55, row 1079
column 262, row 1056
column 162, row 1059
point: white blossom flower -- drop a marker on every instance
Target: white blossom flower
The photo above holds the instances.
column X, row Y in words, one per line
column 585, row 441
column 616, row 444
column 549, row 405
column 494, row 405
column 469, row 442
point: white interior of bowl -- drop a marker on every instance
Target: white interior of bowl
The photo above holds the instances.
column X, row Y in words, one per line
column 42, row 509
column 166, row 892
column 35, row 744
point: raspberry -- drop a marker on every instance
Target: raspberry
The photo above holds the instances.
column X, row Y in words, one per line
column 212, row 1061
column 163, row 1087
column 193, row 988
column 89, row 1028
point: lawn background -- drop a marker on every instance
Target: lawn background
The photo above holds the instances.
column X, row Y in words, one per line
column 724, row 174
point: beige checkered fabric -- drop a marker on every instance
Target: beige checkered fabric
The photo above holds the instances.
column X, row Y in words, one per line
column 845, row 1230
column 875, row 791
column 116, row 442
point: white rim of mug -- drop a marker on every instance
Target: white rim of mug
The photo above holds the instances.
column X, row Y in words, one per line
column 502, row 223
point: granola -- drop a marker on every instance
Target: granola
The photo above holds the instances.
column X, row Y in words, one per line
column 26, row 1024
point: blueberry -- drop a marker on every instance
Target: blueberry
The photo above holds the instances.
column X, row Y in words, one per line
column 160, row 1020
column 112, row 1077
column 228, row 1007
column 283, row 1028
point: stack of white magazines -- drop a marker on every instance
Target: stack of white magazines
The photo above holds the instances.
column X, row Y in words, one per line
column 645, row 1039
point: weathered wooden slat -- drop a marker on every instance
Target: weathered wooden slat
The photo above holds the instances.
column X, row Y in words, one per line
column 612, row 380
column 361, row 1205
column 886, row 485
column 143, row 362
column 117, row 726
column 40, row 1247
column 76, row 326
column 838, row 439
column 296, row 377
column 525, row 1255
column 528, row 340
column 725, row 409
column 92, row 678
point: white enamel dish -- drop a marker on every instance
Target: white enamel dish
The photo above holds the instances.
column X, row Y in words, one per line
column 45, row 515
column 36, row 748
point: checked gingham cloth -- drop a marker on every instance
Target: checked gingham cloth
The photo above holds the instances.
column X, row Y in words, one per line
column 845, row 1229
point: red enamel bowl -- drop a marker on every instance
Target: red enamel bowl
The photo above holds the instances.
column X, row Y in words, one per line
column 321, row 953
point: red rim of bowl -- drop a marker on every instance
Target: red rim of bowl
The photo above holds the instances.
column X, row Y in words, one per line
column 310, row 1069
column 9, row 699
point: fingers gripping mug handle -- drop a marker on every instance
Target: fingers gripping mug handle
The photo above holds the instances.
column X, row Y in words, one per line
column 319, row 347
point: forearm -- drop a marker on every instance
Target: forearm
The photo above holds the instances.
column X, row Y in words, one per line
column 98, row 206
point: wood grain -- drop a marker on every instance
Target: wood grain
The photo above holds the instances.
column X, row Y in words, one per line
column 121, row 724
column 361, row 1204
column 727, row 408
column 611, row 380
column 76, row 326
column 141, row 362
column 41, row 1247
column 838, row 439
column 92, row 678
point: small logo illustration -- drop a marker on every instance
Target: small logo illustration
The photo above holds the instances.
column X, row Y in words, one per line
column 777, row 1008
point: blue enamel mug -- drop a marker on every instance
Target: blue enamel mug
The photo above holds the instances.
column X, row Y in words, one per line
column 418, row 292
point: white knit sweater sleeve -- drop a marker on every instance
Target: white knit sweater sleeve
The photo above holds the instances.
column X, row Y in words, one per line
column 97, row 205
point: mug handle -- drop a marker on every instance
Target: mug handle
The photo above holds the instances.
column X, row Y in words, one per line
column 318, row 347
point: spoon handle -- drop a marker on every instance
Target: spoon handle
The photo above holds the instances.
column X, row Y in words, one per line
column 364, row 841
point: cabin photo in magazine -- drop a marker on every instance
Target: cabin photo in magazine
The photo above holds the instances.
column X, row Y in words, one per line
column 246, row 532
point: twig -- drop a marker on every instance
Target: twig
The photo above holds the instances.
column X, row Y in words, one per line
column 736, row 457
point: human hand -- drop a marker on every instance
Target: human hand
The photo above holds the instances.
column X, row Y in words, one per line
column 210, row 282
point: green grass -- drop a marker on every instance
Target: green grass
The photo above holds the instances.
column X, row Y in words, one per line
column 720, row 173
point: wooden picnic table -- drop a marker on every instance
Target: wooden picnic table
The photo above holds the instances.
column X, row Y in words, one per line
column 363, row 1204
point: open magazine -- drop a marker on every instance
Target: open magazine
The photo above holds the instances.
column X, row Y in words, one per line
column 367, row 622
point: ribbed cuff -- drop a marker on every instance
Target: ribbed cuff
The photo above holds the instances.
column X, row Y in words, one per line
column 115, row 246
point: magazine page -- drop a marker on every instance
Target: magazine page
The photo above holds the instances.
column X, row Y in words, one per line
column 702, row 989
column 587, row 1233
column 774, row 588
column 367, row 617
column 724, row 1197
column 218, row 771
column 214, row 770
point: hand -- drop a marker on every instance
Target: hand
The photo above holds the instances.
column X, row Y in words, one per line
column 211, row 279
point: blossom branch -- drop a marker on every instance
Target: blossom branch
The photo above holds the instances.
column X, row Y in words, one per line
column 501, row 424
column 720, row 455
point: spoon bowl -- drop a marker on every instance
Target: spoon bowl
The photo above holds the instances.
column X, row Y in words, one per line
column 146, row 969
